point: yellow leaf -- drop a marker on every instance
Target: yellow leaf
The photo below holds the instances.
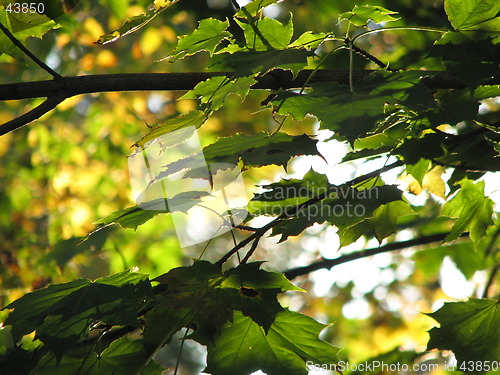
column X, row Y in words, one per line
column 161, row 4
column 433, row 182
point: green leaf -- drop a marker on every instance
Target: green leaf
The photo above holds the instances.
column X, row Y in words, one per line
column 123, row 356
column 70, row 318
column 134, row 216
column 361, row 15
column 243, row 347
column 192, row 119
column 415, row 151
column 31, row 309
column 212, row 296
column 61, row 313
column 215, row 90
column 385, row 218
column 266, row 34
column 245, row 63
column 22, row 26
column 254, row 7
column 161, row 323
column 419, row 169
column 209, row 34
column 309, row 40
column 352, row 114
column 473, row 60
column 249, row 275
column 286, row 194
column 134, row 23
column 470, row 329
column 254, row 151
column 472, row 14
column 473, row 210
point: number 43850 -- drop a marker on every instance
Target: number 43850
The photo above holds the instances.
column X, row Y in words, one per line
column 25, row 8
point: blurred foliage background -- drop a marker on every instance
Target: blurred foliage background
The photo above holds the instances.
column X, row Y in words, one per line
column 61, row 174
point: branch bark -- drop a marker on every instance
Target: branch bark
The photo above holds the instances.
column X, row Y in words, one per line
column 70, row 86
column 330, row 263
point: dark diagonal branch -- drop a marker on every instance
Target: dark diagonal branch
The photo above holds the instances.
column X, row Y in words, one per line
column 32, row 115
column 26, row 51
column 330, row 263
column 294, row 210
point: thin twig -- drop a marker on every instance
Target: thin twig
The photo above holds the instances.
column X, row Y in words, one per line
column 294, row 210
column 330, row 263
column 247, row 228
column 27, row 52
column 252, row 249
column 489, row 283
column 32, row 115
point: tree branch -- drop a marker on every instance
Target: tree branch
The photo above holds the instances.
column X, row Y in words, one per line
column 19, row 45
column 294, row 210
column 330, row 263
column 70, row 86
column 32, row 115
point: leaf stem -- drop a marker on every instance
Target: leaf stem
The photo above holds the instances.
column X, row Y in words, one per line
column 410, row 28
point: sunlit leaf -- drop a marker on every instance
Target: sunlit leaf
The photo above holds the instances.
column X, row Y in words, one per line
column 209, row 34
column 473, row 210
column 215, row 90
column 309, row 40
column 266, row 34
column 361, row 15
column 385, row 218
column 471, row 14
column 134, row 216
column 193, row 119
column 344, row 208
column 22, row 26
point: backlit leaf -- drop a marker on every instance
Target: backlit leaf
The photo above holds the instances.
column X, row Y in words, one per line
column 209, row 34
column 266, row 34
column 473, row 210
column 215, row 90
column 471, row 14
column 22, row 26
column 192, row 119
column 361, row 15
column 309, row 40
column 385, row 218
